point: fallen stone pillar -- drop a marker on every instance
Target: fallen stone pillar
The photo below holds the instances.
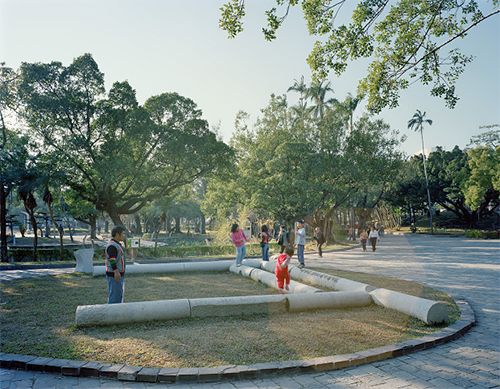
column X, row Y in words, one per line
column 170, row 267
column 139, row 312
column 238, row 305
column 208, row 266
column 328, row 300
column 269, row 278
column 431, row 312
column 328, row 281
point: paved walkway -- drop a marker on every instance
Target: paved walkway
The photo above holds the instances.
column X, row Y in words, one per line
column 463, row 268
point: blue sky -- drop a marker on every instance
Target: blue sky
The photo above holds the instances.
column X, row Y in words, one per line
column 176, row 46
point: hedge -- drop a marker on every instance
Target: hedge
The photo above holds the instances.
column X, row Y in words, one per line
column 187, row 251
column 479, row 234
column 45, row 255
column 42, row 255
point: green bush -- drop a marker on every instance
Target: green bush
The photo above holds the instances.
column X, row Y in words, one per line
column 198, row 250
column 42, row 255
column 479, row 234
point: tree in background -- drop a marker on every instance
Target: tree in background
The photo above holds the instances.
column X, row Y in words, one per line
column 9, row 147
column 290, row 169
column 482, row 188
column 118, row 155
column 416, row 123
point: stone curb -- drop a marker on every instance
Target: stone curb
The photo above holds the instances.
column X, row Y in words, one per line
column 232, row 372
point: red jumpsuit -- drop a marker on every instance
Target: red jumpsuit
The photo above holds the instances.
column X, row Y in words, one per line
column 282, row 275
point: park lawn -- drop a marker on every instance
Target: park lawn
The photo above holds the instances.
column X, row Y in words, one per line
column 38, row 318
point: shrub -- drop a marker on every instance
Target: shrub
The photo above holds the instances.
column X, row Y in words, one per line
column 481, row 234
column 43, row 255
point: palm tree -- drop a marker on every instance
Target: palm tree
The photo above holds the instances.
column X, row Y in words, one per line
column 349, row 105
column 416, row 123
column 299, row 87
column 317, row 93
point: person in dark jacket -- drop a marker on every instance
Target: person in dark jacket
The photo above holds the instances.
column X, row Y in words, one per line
column 115, row 265
column 320, row 240
column 282, row 239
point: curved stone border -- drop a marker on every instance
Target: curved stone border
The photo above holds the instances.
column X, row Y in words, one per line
column 259, row 370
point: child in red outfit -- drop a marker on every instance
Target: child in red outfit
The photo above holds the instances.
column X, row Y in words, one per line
column 282, row 274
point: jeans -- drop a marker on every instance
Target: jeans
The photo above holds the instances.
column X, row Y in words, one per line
column 300, row 253
column 241, row 252
column 116, row 290
column 265, row 253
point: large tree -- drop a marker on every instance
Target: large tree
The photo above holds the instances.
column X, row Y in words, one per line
column 9, row 147
column 118, row 155
column 289, row 169
column 406, row 41
column 482, row 188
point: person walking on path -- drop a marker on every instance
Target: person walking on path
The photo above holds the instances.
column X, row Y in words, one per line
column 320, row 240
column 300, row 241
column 364, row 237
column 373, row 238
column 281, row 271
column 115, row 265
column 282, row 239
column 265, row 243
column 239, row 239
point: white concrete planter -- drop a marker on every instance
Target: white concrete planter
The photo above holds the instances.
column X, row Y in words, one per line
column 84, row 258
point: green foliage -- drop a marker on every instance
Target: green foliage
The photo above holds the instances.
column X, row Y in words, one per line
column 117, row 155
column 405, row 40
column 479, row 234
column 298, row 162
column 43, row 255
column 484, row 176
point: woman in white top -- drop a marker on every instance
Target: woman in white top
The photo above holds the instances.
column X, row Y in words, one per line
column 373, row 237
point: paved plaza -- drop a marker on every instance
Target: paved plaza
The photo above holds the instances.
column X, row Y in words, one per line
column 464, row 268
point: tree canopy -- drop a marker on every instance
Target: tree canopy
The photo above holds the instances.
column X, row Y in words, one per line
column 295, row 164
column 406, row 41
column 115, row 153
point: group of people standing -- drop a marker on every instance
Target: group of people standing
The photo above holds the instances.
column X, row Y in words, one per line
column 239, row 239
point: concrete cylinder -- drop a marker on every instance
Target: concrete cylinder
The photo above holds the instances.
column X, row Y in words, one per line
column 241, row 270
column 139, row 312
column 208, row 266
column 431, row 312
column 238, row 305
column 268, row 266
column 170, row 267
column 270, row 279
column 328, row 281
column 328, row 300
column 252, row 262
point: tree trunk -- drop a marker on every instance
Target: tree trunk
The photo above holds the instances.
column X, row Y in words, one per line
column 93, row 226
column 3, row 222
column 203, row 230
column 61, row 243
column 168, row 224
column 115, row 217
column 35, row 238
column 138, row 226
column 177, row 224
